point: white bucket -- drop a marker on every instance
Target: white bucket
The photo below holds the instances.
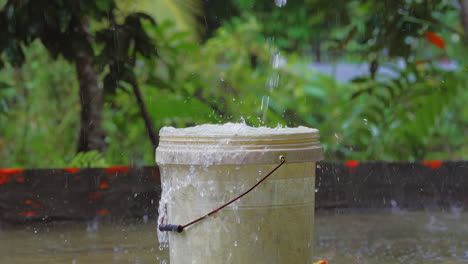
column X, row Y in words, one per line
column 204, row 167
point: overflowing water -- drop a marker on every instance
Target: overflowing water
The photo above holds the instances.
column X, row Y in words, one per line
column 228, row 131
column 232, row 130
column 204, row 167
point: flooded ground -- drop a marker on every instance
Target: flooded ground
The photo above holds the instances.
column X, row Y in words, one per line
column 397, row 237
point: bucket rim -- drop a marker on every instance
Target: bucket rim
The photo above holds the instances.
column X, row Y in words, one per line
column 296, row 144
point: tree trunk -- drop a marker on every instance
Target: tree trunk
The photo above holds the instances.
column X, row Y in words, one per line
column 91, row 133
column 464, row 15
column 146, row 117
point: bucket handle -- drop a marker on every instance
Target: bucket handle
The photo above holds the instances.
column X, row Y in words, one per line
column 180, row 228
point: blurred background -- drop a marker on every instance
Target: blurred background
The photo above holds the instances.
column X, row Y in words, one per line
column 90, row 83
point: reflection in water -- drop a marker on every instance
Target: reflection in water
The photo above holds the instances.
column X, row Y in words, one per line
column 383, row 238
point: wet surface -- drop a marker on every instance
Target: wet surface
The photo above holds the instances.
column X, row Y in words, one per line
column 391, row 237
column 399, row 237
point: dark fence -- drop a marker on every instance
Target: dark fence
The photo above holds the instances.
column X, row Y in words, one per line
column 122, row 192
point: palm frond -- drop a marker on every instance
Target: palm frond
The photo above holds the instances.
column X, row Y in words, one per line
column 183, row 13
column 402, row 115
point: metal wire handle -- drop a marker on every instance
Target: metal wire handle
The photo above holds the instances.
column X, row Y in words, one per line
column 180, row 228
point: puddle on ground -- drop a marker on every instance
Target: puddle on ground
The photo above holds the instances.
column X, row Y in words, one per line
column 372, row 238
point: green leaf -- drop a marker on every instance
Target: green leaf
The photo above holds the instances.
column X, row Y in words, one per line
column 361, row 79
column 159, row 83
column 88, row 159
column 104, row 5
column 315, row 91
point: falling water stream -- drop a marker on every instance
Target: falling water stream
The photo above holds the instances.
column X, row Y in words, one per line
column 273, row 78
column 272, row 83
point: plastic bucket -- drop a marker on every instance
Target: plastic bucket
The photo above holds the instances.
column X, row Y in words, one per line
column 203, row 167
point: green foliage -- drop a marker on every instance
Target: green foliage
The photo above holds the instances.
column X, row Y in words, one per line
column 376, row 117
column 296, row 25
column 87, row 34
column 39, row 113
column 400, row 118
column 55, row 23
column 419, row 114
column 87, row 159
column 122, row 44
column 63, row 29
column 236, row 71
column 182, row 13
column 373, row 30
column 392, row 26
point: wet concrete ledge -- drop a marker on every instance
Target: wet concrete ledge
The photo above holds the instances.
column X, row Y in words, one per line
column 116, row 193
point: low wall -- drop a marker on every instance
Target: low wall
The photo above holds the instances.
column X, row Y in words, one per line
column 122, row 192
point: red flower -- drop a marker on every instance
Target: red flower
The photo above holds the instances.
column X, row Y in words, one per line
column 28, row 213
column 34, row 204
column 116, row 169
column 10, row 171
column 72, row 170
column 352, row 163
column 103, row 185
column 5, row 178
column 433, row 164
column 435, row 39
column 6, row 175
column 102, row 212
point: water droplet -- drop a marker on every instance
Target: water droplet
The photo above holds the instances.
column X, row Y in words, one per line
column 280, row 3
